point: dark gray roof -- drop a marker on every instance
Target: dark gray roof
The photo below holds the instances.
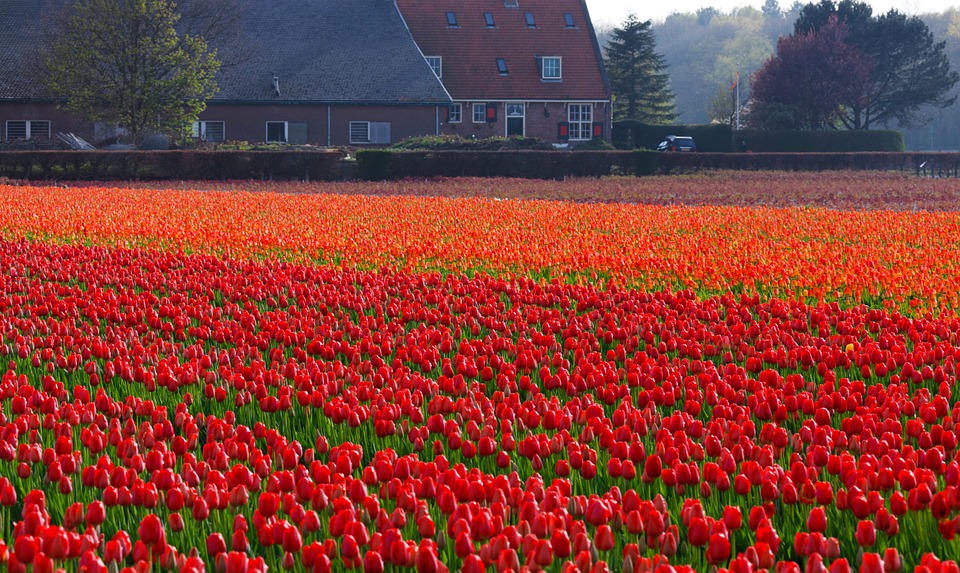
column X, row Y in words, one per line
column 329, row 51
column 22, row 24
column 321, row 51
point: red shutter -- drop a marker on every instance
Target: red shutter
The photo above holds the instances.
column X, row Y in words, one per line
column 563, row 131
column 598, row 129
column 446, row 114
column 491, row 113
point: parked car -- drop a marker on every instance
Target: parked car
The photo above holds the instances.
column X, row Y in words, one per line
column 677, row 143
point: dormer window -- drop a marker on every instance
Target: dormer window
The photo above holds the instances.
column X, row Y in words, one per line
column 488, row 18
column 550, row 68
column 531, row 21
column 568, row 20
column 452, row 20
column 502, row 66
column 436, row 64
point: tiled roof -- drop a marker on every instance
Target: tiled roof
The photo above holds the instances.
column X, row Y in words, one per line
column 21, row 22
column 355, row 51
column 321, row 51
column 471, row 49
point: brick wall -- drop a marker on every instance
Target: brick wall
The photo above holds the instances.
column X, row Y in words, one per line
column 249, row 122
column 541, row 120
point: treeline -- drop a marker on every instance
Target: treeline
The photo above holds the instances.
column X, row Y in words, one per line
column 705, row 49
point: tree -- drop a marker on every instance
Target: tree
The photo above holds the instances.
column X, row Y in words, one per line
column 771, row 9
column 638, row 74
column 809, row 81
column 910, row 69
column 124, row 62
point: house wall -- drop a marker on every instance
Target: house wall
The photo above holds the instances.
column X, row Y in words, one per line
column 541, row 120
column 249, row 122
column 60, row 121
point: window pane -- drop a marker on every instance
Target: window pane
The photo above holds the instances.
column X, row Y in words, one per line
column 380, row 132
column 488, row 18
column 531, row 22
column 435, row 64
column 276, row 132
column 568, row 20
column 16, row 130
column 39, row 130
column 479, row 113
column 502, row 65
column 451, row 19
column 359, row 132
column 456, row 111
column 213, row 131
column 296, row 133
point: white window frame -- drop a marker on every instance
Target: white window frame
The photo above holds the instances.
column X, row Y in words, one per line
column 28, row 128
column 459, row 113
column 580, row 123
column 374, row 129
column 543, row 68
column 438, row 68
column 482, row 107
column 286, row 132
column 200, row 130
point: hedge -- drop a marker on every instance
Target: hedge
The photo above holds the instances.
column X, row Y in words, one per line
column 147, row 165
column 383, row 164
column 763, row 141
column 717, row 138
column 631, row 134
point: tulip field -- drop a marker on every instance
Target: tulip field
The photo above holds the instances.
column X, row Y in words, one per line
column 489, row 375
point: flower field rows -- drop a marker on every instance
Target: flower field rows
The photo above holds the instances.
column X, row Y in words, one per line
column 898, row 260
column 334, row 383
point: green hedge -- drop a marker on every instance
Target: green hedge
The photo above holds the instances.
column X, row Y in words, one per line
column 380, row 164
column 631, row 134
column 762, row 141
column 150, row 165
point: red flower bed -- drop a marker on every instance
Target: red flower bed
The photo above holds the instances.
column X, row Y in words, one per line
column 172, row 412
column 896, row 260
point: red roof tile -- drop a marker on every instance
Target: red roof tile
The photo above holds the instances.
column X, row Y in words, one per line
column 471, row 50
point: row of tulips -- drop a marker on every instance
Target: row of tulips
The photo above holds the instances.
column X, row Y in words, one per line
column 905, row 261
column 167, row 412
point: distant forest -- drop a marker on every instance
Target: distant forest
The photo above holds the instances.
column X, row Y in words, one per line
column 704, row 49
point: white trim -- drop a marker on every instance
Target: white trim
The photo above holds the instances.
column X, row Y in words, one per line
column 529, row 100
column 507, row 116
column 438, row 71
column 449, row 116
column 286, row 132
column 27, row 128
column 200, row 129
column 473, row 112
column 580, row 122
column 543, row 68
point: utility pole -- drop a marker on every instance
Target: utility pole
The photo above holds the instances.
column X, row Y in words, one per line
column 737, row 84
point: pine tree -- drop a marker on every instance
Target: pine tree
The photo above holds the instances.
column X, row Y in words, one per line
column 638, row 75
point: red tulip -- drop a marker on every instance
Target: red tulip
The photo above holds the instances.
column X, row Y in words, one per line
column 150, row 530
column 718, row 550
column 871, row 563
column 817, row 520
column 866, row 534
column 604, row 538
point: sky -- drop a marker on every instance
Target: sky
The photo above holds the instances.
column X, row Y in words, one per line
column 605, row 13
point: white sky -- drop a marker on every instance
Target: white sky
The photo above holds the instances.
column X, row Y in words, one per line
column 605, row 13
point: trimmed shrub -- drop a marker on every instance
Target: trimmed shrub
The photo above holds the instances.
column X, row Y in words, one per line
column 631, row 134
column 374, row 164
column 198, row 165
column 764, row 141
